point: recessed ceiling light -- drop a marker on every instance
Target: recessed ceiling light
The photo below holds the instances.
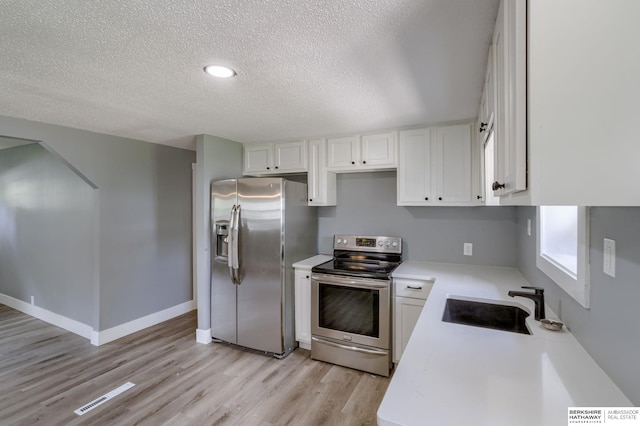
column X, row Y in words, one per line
column 219, row 71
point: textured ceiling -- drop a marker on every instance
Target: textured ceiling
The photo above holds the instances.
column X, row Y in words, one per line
column 134, row 68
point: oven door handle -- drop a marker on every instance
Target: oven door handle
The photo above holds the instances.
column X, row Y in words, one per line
column 349, row 348
column 350, row 282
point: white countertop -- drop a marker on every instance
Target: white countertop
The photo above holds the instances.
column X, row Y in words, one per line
column 452, row 374
column 312, row 261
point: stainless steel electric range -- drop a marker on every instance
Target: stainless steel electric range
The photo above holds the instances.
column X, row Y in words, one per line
column 351, row 303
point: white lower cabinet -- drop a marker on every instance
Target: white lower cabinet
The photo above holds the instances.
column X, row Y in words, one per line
column 302, row 289
column 410, row 297
column 303, row 307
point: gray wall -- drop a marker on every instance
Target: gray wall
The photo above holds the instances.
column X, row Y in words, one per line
column 144, row 216
column 609, row 329
column 367, row 205
column 217, row 159
column 47, row 238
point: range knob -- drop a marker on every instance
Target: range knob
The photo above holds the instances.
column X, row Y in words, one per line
column 380, row 243
column 394, row 244
column 387, row 244
column 339, row 241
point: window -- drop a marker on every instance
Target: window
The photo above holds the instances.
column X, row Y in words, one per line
column 563, row 248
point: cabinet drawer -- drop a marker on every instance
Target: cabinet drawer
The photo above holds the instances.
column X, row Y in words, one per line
column 416, row 289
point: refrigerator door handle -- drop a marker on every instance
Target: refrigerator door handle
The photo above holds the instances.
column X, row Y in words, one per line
column 230, row 239
column 234, row 255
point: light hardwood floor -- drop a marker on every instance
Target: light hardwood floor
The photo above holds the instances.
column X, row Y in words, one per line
column 46, row 373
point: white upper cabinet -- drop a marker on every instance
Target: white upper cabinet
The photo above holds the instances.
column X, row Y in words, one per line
column 486, row 113
column 583, row 102
column 414, row 168
column 509, row 97
column 439, row 167
column 321, row 184
column 565, row 103
column 368, row 152
column 290, row 156
column 277, row 158
column 454, row 166
column 343, row 153
column 379, row 150
column 257, row 158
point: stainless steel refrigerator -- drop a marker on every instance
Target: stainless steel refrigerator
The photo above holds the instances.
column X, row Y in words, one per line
column 260, row 227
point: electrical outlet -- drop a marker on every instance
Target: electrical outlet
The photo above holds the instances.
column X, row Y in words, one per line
column 529, row 227
column 609, row 261
column 468, row 249
column 33, row 300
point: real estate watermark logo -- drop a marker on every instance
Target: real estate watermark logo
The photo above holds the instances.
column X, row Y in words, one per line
column 622, row 416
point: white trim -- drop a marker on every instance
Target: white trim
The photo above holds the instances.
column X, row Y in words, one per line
column 98, row 338
column 194, row 230
column 304, row 345
column 58, row 320
column 577, row 286
column 203, row 336
column 114, row 333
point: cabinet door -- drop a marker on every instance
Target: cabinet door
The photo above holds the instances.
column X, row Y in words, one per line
column 453, row 164
column 321, row 184
column 407, row 312
column 489, row 96
column 290, row 156
column 343, row 153
column 509, row 41
column 379, row 150
column 257, row 159
column 414, row 168
column 303, row 307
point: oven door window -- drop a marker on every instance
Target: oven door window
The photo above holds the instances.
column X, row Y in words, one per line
column 349, row 309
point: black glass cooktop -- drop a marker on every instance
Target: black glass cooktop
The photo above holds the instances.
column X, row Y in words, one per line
column 359, row 265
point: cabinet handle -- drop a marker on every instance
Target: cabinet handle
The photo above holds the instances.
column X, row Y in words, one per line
column 440, row 198
column 310, row 199
column 415, row 287
column 426, row 198
column 268, row 168
column 276, row 167
column 307, row 276
column 353, row 162
column 483, row 127
column 479, row 197
column 364, row 162
column 495, row 186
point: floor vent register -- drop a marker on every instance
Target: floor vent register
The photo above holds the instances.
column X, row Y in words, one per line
column 104, row 398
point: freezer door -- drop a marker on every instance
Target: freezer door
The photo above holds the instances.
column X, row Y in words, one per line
column 223, row 291
column 260, row 292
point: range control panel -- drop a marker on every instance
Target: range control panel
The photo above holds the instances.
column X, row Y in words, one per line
column 367, row 243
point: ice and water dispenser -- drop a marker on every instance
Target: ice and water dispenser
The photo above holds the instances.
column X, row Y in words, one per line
column 222, row 238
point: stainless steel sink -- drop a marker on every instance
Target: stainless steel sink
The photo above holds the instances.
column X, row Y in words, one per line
column 487, row 315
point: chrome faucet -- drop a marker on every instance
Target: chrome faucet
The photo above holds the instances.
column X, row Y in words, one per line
column 537, row 296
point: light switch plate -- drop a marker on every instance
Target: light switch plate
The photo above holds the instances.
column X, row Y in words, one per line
column 468, row 249
column 609, row 261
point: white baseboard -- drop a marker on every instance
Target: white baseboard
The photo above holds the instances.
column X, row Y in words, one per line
column 305, row 345
column 203, row 336
column 105, row 336
column 98, row 337
column 58, row 320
